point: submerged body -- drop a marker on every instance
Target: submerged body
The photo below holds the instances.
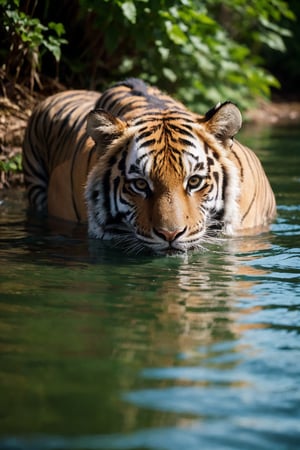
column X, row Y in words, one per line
column 137, row 165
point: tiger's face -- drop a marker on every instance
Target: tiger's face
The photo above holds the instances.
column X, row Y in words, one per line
column 162, row 181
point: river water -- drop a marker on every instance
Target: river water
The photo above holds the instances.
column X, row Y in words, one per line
column 104, row 350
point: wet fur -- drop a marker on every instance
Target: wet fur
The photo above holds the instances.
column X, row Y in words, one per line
column 85, row 153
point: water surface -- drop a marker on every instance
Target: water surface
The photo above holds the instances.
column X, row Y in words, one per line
column 104, row 350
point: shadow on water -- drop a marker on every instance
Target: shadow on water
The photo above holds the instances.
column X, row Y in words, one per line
column 104, row 350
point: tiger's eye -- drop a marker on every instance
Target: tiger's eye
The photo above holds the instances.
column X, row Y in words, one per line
column 194, row 182
column 140, row 184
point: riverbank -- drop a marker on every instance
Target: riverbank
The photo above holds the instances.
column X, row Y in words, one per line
column 17, row 104
column 279, row 113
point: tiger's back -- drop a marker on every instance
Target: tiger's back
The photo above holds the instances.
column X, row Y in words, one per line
column 57, row 154
column 144, row 167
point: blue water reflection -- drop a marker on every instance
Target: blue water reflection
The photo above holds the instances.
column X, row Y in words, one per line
column 103, row 350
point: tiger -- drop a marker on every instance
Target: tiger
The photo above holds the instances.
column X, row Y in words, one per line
column 139, row 167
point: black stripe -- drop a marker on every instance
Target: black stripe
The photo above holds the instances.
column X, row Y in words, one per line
column 249, row 160
column 30, row 169
column 185, row 131
column 186, row 152
column 109, row 106
column 240, row 164
column 250, row 206
column 148, row 143
column 216, row 177
column 225, row 182
column 106, row 191
column 146, row 120
column 130, row 107
column 186, row 142
column 91, row 152
column 72, row 187
column 122, row 165
column 112, row 161
column 145, row 134
column 116, row 185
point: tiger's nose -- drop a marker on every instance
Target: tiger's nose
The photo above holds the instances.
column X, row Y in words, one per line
column 169, row 235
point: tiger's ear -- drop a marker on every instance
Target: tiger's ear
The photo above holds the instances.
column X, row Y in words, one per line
column 223, row 121
column 103, row 127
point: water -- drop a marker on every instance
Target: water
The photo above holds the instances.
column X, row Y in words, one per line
column 102, row 350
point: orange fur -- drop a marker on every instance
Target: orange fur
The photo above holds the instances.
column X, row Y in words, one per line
column 145, row 166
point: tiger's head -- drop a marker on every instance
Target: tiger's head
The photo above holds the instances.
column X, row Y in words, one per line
column 164, row 180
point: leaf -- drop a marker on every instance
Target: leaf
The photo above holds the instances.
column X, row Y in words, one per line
column 129, row 11
column 175, row 33
column 53, row 45
column 162, row 50
column 57, row 27
column 273, row 40
column 169, row 74
column 276, row 28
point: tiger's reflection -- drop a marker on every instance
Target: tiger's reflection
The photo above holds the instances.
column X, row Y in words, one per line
column 195, row 297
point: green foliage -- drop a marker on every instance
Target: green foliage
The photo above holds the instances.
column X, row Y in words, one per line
column 28, row 40
column 285, row 65
column 13, row 164
column 203, row 51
